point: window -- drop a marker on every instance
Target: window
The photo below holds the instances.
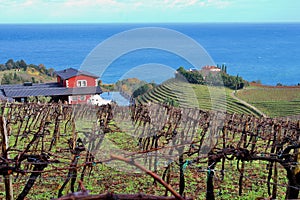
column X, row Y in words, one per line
column 81, row 83
column 82, row 98
column 74, row 98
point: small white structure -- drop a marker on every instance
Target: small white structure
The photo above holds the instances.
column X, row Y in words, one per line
column 193, row 69
column 97, row 100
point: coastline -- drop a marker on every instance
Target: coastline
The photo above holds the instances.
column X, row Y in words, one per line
column 252, row 50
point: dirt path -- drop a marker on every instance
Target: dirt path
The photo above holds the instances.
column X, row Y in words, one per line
column 247, row 104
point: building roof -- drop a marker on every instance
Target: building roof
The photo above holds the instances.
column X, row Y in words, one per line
column 210, row 68
column 71, row 72
column 46, row 89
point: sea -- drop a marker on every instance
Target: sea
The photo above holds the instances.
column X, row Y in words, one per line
column 265, row 52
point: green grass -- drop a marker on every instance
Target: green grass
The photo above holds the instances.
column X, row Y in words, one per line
column 275, row 102
column 107, row 177
column 199, row 96
column 119, row 177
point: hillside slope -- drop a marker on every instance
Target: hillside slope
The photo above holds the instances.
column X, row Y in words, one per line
column 18, row 72
column 15, row 76
column 274, row 101
column 194, row 95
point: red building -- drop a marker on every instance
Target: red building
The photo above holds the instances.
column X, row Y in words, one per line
column 72, row 86
column 72, row 78
column 211, row 68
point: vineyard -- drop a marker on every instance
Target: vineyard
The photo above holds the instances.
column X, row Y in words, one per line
column 195, row 95
column 274, row 101
column 151, row 151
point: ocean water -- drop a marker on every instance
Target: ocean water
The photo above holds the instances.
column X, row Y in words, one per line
column 115, row 96
column 266, row 52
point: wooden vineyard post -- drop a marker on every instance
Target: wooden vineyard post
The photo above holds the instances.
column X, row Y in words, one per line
column 181, row 179
column 292, row 188
column 5, row 143
column 293, row 175
column 210, row 178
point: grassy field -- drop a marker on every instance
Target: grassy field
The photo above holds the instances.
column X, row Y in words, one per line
column 110, row 177
column 275, row 102
column 28, row 75
column 200, row 96
column 107, row 177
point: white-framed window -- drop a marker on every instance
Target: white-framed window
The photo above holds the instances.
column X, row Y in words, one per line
column 74, row 98
column 78, row 98
column 82, row 98
column 81, row 83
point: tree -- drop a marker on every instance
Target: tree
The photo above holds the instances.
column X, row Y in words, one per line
column 209, row 79
column 10, row 64
column 42, row 68
column 142, row 90
column 15, row 76
column 2, row 67
column 22, row 65
column 50, row 72
column 194, row 77
column 215, row 79
column 6, row 79
column 257, row 81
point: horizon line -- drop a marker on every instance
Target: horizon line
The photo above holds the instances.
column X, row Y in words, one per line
column 71, row 23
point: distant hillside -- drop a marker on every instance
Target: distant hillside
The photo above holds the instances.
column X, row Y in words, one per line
column 128, row 86
column 196, row 95
column 19, row 72
column 277, row 101
column 212, row 76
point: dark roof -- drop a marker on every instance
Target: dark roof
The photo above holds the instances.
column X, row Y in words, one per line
column 71, row 72
column 34, row 85
column 47, row 89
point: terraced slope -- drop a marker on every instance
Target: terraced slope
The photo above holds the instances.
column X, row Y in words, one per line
column 200, row 96
column 275, row 102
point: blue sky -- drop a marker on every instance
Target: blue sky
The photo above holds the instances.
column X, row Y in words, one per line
column 106, row 11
